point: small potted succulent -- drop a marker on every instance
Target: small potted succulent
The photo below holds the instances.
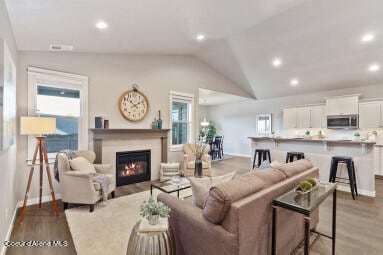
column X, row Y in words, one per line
column 152, row 211
column 356, row 136
column 307, row 134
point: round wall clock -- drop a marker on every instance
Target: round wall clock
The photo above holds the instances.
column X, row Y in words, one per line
column 133, row 105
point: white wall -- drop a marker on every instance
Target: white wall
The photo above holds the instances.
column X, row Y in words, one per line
column 110, row 75
column 9, row 184
column 237, row 121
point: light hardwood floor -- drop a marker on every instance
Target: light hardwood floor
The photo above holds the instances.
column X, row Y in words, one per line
column 359, row 223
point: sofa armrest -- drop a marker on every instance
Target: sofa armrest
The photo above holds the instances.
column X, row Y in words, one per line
column 193, row 233
column 103, row 168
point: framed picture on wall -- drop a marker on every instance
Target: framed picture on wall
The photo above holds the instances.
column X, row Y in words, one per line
column 263, row 123
column 7, row 97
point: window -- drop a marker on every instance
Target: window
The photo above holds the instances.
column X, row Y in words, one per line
column 64, row 97
column 64, row 105
column 181, row 106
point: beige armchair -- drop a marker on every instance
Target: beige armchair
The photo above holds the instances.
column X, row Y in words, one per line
column 189, row 160
column 78, row 187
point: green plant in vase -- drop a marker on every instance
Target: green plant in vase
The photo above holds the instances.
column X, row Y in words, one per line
column 153, row 210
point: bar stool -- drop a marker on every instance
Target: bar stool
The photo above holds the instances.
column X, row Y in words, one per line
column 351, row 180
column 292, row 156
column 262, row 156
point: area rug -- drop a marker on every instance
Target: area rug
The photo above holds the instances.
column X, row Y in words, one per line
column 107, row 230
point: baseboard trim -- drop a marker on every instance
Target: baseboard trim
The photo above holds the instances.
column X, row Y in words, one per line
column 10, row 229
column 32, row 201
column 238, row 154
column 360, row 192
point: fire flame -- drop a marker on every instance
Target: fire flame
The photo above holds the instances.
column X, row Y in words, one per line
column 130, row 169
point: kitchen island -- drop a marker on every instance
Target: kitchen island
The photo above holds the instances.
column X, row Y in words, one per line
column 320, row 151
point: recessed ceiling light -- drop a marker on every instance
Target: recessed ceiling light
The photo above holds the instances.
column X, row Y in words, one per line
column 367, row 37
column 374, row 68
column 101, row 25
column 294, row 82
column 277, row 62
column 200, row 37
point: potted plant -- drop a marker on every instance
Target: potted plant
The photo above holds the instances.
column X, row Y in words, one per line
column 356, row 136
column 211, row 130
column 153, row 210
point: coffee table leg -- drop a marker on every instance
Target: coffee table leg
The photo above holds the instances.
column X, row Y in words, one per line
column 307, row 235
column 178, row 194
column 274, row 234
column 151, row 190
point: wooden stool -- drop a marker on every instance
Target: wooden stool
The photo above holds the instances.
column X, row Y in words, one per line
column 262, row 156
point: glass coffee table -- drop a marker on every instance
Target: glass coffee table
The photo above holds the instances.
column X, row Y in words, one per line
column 306, row 204
column 171, row 186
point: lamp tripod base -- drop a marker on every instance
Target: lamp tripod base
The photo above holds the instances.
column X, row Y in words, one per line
column 43, row 158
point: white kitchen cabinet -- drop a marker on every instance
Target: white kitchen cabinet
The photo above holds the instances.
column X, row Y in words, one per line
column 342, row 105
column 370, row 114
column 332, row 106
column 303, row 117
column 289, row 118
column 378, row 160
column 381, row 114
column 318, row 116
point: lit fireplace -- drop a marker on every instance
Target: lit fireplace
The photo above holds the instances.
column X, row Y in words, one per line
column 132, row 167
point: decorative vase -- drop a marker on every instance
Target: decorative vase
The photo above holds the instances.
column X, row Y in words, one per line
column 154, row 219
column 198, row 168
column 159, row 124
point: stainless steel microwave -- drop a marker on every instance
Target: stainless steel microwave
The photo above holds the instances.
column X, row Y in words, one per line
column 343, row 122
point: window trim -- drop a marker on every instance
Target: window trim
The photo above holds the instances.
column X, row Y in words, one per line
column 72, row 81
column 182, row 97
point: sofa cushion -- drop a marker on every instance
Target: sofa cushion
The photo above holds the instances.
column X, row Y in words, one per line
column 200, row 186
column 293, row 168
column 270, row 176
column 191, row 164
column 81, row 164
column 222, row 196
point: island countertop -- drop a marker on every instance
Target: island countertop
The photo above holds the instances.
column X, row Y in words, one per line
column 324, row 140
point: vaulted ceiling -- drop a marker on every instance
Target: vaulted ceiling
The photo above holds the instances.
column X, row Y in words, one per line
column 318, row 41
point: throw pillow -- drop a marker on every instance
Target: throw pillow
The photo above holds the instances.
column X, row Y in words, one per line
column 82, row 164
column 200, row 187
column 169, row 170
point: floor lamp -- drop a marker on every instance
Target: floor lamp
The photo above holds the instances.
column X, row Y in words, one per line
column 38, row 126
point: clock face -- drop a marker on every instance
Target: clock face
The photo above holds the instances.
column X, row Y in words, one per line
column 133, row 105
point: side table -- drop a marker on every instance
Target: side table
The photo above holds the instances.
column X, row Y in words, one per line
column 151, row 243
column 305, row 205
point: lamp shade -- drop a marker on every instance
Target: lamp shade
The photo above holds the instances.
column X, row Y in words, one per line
column 37, row 126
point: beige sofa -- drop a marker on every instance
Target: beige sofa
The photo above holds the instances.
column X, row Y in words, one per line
column 237, row 215
column 79, row 188
column 189, row 160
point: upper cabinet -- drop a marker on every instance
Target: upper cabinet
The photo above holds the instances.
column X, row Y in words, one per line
column 318, row 116
column 305, row 117
column 371, row 114
column 342, row 105
column 289, row 118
